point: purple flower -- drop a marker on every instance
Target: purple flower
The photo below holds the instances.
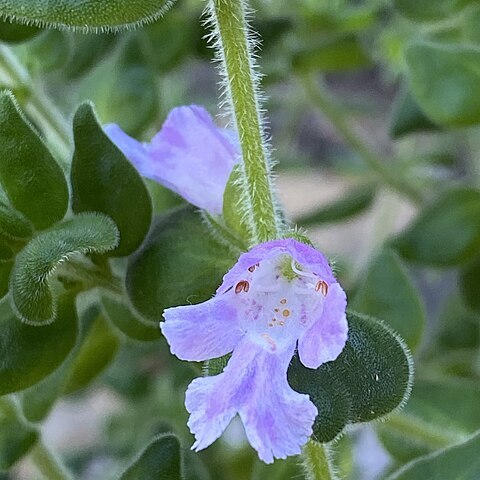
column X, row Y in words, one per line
column 189, row 155
column 279, row 295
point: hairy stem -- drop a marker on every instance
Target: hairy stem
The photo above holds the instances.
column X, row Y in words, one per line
column 36, row 103
column 317, row 462
column 234, row 47
column 319, row 95
column 48, row 463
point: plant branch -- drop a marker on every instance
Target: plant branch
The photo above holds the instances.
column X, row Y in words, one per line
column 317, row 462
column 235, row 50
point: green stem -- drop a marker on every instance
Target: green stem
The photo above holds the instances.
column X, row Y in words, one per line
column 37, row 104
column 319, row 95
column 317, row 462
column 235, row 51
column 48, row 463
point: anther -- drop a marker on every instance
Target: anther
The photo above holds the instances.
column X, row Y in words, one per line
column 322, row 287
column 242, row 286
column 283, row 301
column 286, row 313
column 253, row 267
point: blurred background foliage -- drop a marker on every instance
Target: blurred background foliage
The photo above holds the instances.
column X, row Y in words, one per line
column 374, row 109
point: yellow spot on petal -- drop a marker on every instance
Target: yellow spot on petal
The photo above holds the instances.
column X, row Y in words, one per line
column 286, row 313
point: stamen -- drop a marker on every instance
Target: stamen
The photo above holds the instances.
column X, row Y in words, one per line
column 253, row 267
column 322, row 287
column 243, row 285
column 283, row 301
column 301, row 272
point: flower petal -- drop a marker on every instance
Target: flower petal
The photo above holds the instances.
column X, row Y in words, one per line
column 200, row 332
column 303, row 254
column 131, row 148
column 277, row 420
column 193, row 157
column 325, row 339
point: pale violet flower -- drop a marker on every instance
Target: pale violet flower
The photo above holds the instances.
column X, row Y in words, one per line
column 189, row 155
column 280, row 296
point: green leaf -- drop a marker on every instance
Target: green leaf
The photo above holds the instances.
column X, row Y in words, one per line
column 426, row 10
column 178, row 263
column 408, row 117
column 103, row 180
column 88, row 15
column 356, row 201
column 369, row 379
column 387, row 292
column 30, row 353
column 15, row 33
column 32, row 297
column 470, row 284
column 445, row 80
column 31, row 178
column 447, row 232
column 431, row 419
column 13, row 225
column 47, row 52
column 160, row 460
column 124, row 89
column 460, row 462
column 344, row 53
column 99, row 345
column 6, row 264
column 16, row 437
column 87, row 51
column 128, row 321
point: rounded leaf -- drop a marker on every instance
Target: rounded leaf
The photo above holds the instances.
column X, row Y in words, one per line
column 178, row 263
column 373, row 375
column 31, row 295
column 30, row 353
column 447, row 232
column 87, row 15
column 160, row 460
column 32, row 179
column 446, row 81
column 387, row 292
column 103, row 180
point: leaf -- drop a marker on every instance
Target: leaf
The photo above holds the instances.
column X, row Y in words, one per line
column 13, row 225
column 344, row 53
column 6, row 265
column 445, row 81
column 15, row 33
column 470, row 283
column 160, row 460
column 387, row 292
column 97, row 348
column 369, row 379
column 460, row 462
column 128, row 321
column 30, row 353
column 31, row 178
column 32, row 297
column 16, row 437
column 356, row 201
column 88, row 15
column 97, row 345
column 426, row 10
column 447, row 232
column 407, row 116
column 178, row 263
column 431, row 418
column 103, row 180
